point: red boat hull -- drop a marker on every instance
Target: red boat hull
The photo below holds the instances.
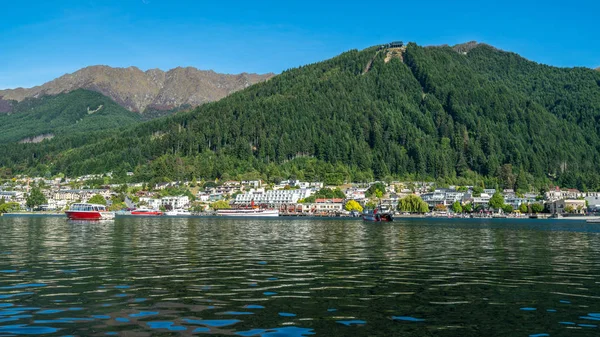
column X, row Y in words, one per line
column 80, row 215
column 152, row 213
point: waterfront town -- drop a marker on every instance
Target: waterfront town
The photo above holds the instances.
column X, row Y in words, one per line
column 291, row 197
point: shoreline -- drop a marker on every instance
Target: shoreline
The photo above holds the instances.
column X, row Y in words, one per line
column 314, row 217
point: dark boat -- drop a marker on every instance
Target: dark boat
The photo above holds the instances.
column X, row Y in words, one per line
column 377, row 216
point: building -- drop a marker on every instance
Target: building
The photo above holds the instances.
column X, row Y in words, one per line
column 80, row 195
column 176, row 202
column 482, row 200
column 593, row 203
column 328, row 205
column 562, row 206
column 202, row 196
column 558, row 194
column 516, row 202
column 272, row 197
column 434, row 198
column 151, row 202
column 13, row 196
column 252, row 183
column 357, row 194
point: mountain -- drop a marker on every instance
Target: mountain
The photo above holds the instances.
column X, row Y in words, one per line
column 458, row 115
column 137, row 90
column 79, row 111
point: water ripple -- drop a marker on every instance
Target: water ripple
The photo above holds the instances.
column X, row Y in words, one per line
column 427, row 277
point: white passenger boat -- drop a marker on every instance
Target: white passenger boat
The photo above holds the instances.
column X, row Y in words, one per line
column 243, row 212
column 178, row 212
column 84, row 211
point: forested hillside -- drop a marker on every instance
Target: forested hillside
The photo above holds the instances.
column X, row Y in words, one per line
column 424, row 113
column 78, row 111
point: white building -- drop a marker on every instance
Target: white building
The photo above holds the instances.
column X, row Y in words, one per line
column 80, row 195
column 274, row 197
column 176, row 202
column 483, row 199
column 13, row 196
column 202, row 196
column 558, row 194
column 252, row 183
column 357, row 194
column 433, row 199
column 152, row 203
column 593, row 203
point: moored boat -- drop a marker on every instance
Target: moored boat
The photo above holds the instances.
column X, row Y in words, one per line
column 597, row 220
column 84, row 211
column 249, row 212
column 146, row 212
column 376, row 216
column 178, row 212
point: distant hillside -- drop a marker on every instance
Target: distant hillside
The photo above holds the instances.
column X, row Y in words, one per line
column 138, row 91
column 36, row 119
column 473, row 113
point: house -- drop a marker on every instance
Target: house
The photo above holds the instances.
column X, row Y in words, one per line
column 202, row 196
column 434, row 198
column 564, row 205
column 516, row 202
column 13, row 196
column 252, row 183
column 335, row 205
column 482, row 200
column 151, row 202
column 357, row 194
column 215, row 197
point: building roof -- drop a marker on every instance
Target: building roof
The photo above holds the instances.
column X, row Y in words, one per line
column 333, row 201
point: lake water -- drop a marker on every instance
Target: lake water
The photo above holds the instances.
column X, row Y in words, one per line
column 201, row 276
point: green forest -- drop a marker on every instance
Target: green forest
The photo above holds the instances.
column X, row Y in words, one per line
column 79, row 111
column 486, row 116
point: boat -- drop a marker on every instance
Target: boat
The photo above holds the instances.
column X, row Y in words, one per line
column 377, row 216
column 178, row 212
column 597, row 220
column 84, row 211
column 146, row 212
column 249, row 212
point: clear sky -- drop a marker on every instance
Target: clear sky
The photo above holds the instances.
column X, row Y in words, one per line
column 41, row 40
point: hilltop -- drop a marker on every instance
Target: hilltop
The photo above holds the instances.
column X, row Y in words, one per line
column 431, row 113
column 138, row 90
column 81, row 111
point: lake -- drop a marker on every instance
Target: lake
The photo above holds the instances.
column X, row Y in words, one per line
column 298, row 277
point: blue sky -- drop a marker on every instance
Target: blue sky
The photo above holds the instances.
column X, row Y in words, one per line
column 41, row 40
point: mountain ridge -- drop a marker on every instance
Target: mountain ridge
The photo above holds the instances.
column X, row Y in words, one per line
column 138, row 90
column 484, row 116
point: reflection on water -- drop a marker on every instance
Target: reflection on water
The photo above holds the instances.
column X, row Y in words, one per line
column 142, row 277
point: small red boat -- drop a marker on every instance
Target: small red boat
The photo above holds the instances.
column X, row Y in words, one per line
column 83, row 211
column 146, row 212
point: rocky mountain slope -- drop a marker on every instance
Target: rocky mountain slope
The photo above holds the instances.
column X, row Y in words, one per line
column 138, row 90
